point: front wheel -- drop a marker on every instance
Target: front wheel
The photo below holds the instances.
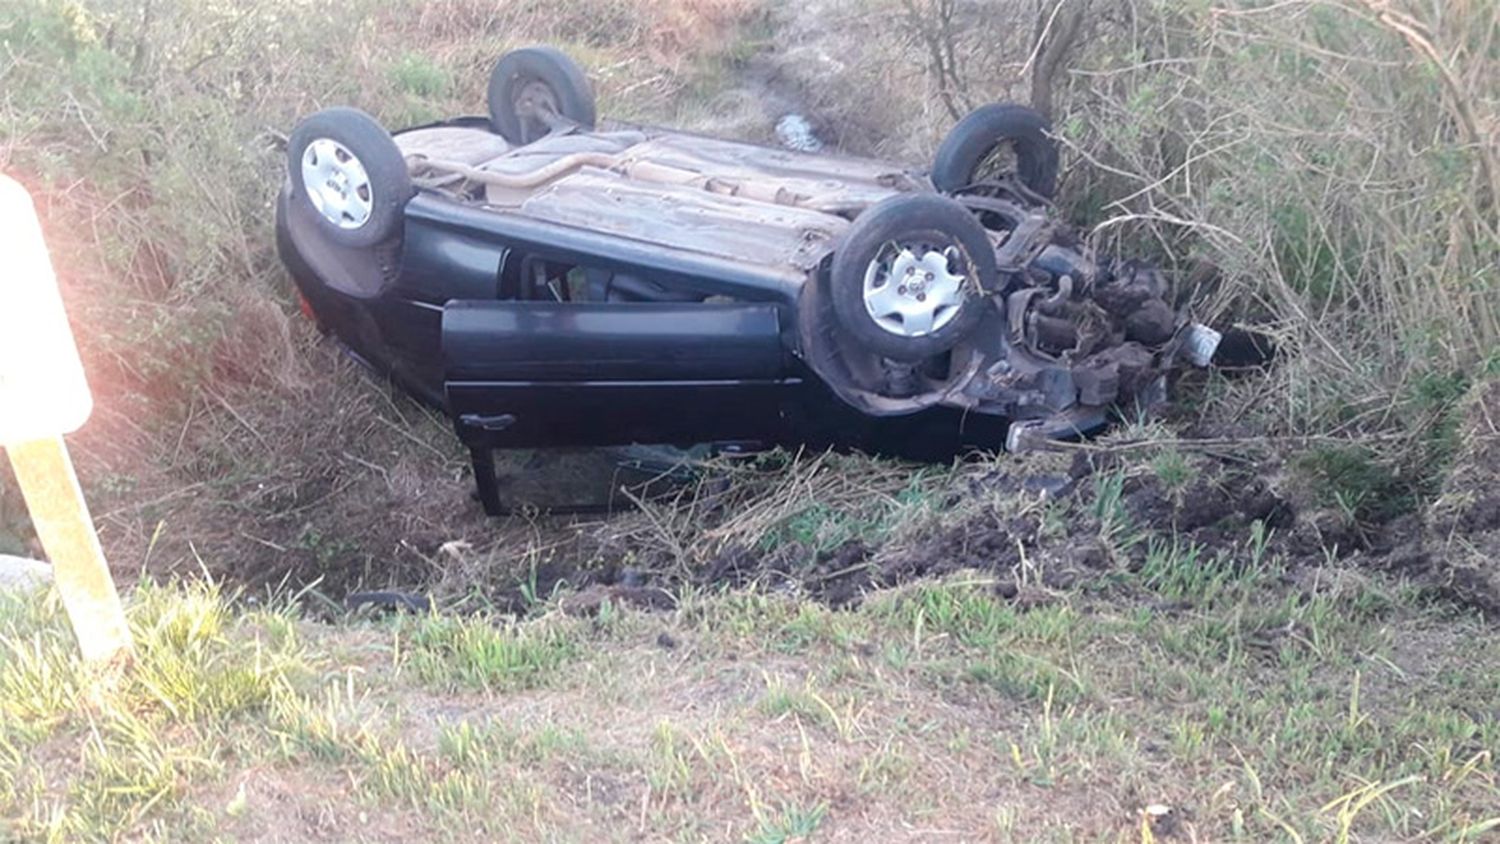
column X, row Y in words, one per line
column 346, row 167
column 910, row 280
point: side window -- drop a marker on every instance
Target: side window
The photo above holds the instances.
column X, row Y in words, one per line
column 531, row 277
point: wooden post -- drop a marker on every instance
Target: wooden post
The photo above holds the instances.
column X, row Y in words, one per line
column 62, row 522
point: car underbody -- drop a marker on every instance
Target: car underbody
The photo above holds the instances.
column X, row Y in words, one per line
column 570, row 285
column 1079, row 335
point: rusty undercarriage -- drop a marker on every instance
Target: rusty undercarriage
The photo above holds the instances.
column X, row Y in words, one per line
column 547, row 282
column 1079, row 335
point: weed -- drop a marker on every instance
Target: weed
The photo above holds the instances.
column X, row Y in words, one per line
column 1175, row 472
column 186, row 663
column 326, row 550
column 793, row 822
column 885, row 770
column 1116, row 532
column 419, row 76
column 1435, row 397
column 970, row 614
column 467, row 745
column 39, row 683
column 1023, row 676
column 813, row 624
column 811, row 703
column 1179, row 572
column 326, row 728
column 130, row 769
column 553, row 741
column 1357, row 480
column 479, row 652
column 672, row 761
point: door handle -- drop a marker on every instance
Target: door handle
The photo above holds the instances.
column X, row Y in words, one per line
column 488, row 424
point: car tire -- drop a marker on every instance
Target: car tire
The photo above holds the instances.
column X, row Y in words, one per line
column 346, row 167
column 930, row 239
column 976, row 137
column 528, row 81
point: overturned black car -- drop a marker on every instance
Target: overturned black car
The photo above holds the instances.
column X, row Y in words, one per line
column 550, row 283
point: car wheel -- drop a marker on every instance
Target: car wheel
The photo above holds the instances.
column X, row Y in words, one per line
column 534, row 88
column 347, row 168
column 908, row 280
column 993, row 139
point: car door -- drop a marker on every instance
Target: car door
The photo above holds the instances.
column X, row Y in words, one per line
column 538, row 374
column 582, row 357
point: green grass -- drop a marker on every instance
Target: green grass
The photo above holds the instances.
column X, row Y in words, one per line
column 792, row 822
column 1356, row 480
column 481, row 653
column 1352, row 710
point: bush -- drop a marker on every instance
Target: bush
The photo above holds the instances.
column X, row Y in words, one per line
column 1325, row 158
column 1330, row 160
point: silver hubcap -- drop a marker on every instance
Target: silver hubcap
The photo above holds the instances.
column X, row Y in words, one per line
column 337, row 184
column 913, row 291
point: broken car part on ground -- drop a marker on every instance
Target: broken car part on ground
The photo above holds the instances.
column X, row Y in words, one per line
column 550, row 283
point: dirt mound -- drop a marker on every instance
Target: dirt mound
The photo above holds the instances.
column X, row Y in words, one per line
column 1037, row 525
column 1462, row 536
column 1040, row 525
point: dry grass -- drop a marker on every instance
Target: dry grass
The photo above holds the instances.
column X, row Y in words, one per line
column 1331, row 160
column 1335, row 160
column 150, row 135
column 936, row 711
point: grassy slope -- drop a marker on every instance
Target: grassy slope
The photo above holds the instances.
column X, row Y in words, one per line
column 1249, row 691
column 1314, row 713
column 227, row 436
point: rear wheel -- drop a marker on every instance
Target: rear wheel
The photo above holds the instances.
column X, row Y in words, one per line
column 909, row 280
column 348, row 170
column 993, row 140
column 534, row 90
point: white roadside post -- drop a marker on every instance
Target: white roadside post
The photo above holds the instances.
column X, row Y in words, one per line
column 43, row 395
